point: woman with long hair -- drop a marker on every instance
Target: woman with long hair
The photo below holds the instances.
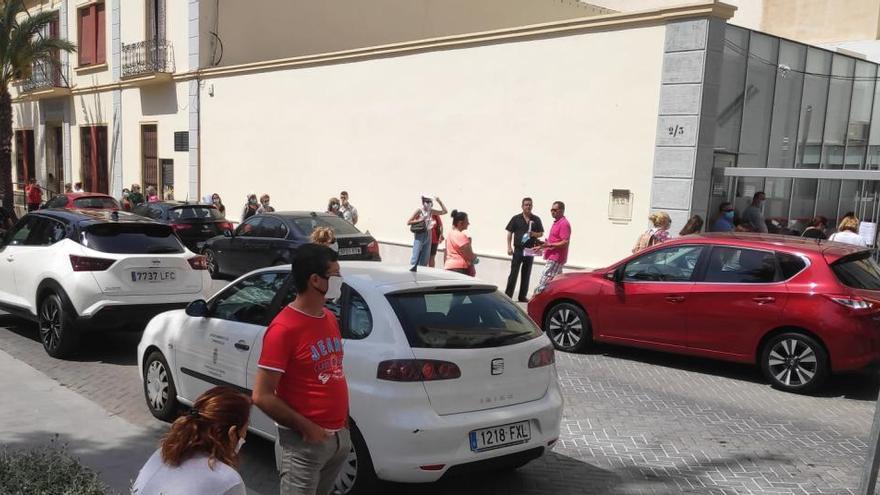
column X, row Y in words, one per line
column 201, row 451
column 693, row 226
column 460, row 255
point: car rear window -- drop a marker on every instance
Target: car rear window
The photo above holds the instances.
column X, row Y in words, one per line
column 858, row 271
column 461, row 319
column 339, row 225
column 99, row 202
column 122, row 238
column 195, row 213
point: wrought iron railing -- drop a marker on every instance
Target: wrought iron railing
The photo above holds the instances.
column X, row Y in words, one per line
column 147, row 57
column 44, row 75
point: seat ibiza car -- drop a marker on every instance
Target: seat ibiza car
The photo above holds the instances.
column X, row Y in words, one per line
column 445, row 373
column 76, row 271
column 798, row 308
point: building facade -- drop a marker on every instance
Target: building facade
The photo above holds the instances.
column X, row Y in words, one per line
column 615, row 113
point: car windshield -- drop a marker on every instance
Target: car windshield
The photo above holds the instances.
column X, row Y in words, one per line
column 339, row 225
column 195, row 212
column 461, row 319
column 132, row 238
column 858, row 271
column 99, row 202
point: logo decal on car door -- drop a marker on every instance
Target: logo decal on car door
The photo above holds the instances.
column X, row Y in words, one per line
column 497, row 366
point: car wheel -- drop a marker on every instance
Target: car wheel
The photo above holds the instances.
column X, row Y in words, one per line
column 568, row 327
column 159, row 389
column 211, row 260
column 57, row 331
column 357, row 476
column 794, row 362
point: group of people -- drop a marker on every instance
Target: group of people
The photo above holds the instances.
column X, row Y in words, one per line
column 524, row 232
column 251, row 207
column 304, row 391
column 342, row 208
column 132, row 198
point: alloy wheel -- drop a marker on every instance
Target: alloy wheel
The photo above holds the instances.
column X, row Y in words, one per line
column 50, row 324
column 157, row 385
column 792, row 362
column 565, row 328
column 348, row 475
column 211, row 262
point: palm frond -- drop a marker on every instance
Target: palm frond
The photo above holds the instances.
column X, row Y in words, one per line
column 24, row 42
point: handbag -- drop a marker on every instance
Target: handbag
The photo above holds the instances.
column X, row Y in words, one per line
column 418, row 228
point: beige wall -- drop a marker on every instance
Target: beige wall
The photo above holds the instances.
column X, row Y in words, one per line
column 92, row 75
column 133, row 27
column 554, row 118
column 288, row 28
column 822, row 21
column 748, row 12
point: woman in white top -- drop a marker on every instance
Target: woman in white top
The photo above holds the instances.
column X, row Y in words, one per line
column 200, row 452
column 848, row 232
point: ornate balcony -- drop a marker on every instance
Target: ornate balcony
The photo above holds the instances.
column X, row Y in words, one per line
column 45, row 77
column 145, row 58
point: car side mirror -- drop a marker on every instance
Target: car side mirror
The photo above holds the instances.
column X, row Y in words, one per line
column 615, row 276
column 197, row 308
column 228, row 233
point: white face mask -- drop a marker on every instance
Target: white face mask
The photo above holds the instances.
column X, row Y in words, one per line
column 334, row 287
column 240, row 444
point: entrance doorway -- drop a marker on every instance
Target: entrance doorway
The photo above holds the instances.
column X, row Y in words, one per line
column 25, row 164
column 93, row 158
column 150, row 158
column 54, row 160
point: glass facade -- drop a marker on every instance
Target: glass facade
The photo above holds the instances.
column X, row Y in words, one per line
column 787, row 105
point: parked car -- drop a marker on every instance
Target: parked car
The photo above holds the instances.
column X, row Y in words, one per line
column 75, row 271
column 84, row 201
column 193, row 223
column 445, row 373
column 267, row 239
column 798, row 308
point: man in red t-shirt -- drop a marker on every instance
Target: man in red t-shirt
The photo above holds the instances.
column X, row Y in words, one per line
column 34, row 195
column 300, row 383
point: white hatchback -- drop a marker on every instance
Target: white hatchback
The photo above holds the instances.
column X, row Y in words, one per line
column 76, row 271
column 446, row 375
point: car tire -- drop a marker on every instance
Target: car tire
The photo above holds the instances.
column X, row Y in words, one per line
column 357, row 476
column 568, row 326
column 159, row 390
column 58, row 332
column 794, row 362
column 211, row 261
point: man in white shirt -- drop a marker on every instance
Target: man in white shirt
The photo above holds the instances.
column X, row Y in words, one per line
column 348, row 211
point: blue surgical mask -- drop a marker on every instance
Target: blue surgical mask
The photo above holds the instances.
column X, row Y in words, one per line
column 728, row 215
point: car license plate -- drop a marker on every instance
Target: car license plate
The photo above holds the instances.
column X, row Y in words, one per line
column 500, row 436
column 349, row 251
column 153, row 276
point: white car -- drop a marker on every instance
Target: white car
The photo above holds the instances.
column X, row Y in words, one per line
column 75, row 271
column 445, row 373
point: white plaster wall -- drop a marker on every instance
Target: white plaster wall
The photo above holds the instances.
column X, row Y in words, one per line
column 88, row 110
column 749, row 13
column 90, row 76
column 566, row 118
column 133, row 19
column 165, row 105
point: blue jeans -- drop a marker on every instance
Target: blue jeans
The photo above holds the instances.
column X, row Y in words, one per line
column 421, row 249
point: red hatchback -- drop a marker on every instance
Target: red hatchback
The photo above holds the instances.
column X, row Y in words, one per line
column 798, row 308
column 84, row 201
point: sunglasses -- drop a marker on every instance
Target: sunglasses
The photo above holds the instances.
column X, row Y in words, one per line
column 554, row 209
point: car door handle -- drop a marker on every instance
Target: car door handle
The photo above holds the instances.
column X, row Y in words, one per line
column 675, row 299
column 764, row 299
column 242, row 346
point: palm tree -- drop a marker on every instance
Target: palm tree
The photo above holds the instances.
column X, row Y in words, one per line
column 22, row 45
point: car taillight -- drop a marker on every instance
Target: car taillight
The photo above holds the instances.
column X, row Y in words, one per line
column 417, row 370
column 225, row 226
column 854, row 303
column 181, row 226
column 87, row 264
column 373, row 248
column 544, row 356
column 198, row 262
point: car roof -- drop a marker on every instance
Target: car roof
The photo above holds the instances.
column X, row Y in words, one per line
column 175, row 204
column 77, row 195
column 771, row 241
column 387, row 277
column 89, row 217
column 302, row 213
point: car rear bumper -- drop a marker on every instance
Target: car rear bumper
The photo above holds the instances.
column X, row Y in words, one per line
column 399, row 450
column 125, row 317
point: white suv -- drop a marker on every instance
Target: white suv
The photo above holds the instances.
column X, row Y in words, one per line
column 74, row 271
column 445, row 374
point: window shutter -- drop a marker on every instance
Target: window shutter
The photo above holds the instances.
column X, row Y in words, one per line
column 100, row 31
column 86, row 48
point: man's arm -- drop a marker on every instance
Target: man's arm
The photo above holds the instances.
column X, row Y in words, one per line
column 509, row 238
column 264, row 397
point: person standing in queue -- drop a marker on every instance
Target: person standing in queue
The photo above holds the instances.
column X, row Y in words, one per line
column 300, row 382
column 34, row 195
column 460, row 255
column 250, row 208
column 556, row 248
column 523, row 230
column 420, row 224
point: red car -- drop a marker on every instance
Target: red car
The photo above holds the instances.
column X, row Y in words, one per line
column 798, row 308
column 84, row 201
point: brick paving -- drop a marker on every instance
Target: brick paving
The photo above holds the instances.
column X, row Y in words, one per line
column 636, row 422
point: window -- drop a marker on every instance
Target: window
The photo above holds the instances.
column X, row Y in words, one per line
column 339, row 226
column 92, row 28
column 674, row 264
column 195, row 213
column 461, row 319
column 740, row 266
column 858, row 271
column 250, row 227
column 21, row 231
column 57, row 202
column 45, row 232
column 131, row 238
column 272, row 227
column 358, row 323
column 248, row 301
column 99, row 202
column 790, row 265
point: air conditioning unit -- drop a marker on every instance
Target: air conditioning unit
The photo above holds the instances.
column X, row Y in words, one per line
column 858, row 131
